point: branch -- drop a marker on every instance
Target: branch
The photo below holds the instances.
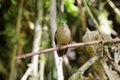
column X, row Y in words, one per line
column 82, row 15
column 94, row 20
column 91, row 15
column 68, row 46
column 33, row 68
column 116, row 10
column 83, row 68
column 53, row 26
column 13, row 68
column 27, row 73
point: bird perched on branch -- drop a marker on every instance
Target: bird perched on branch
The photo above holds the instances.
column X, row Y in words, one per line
column 62, row 37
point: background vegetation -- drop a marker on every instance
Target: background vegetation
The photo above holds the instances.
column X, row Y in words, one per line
column 18, row 23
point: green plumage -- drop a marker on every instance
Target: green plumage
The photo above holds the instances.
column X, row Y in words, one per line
column 62, row 37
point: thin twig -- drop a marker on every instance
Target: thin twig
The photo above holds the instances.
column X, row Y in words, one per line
column 53, row 27
column 92, row 17
column 82, row 15
column 116, row 10
column 33, row 69
column 67, row 46
column 17, row 37
column 83, row 68
column 26, row 74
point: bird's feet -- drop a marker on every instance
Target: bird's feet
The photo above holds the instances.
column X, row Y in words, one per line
column 67, row 46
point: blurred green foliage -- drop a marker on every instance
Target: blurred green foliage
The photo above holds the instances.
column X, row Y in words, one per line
column 8, row 20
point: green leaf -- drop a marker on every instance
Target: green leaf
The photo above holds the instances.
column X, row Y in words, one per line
column 14, row 2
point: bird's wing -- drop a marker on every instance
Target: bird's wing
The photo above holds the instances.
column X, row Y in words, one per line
column 55, row 39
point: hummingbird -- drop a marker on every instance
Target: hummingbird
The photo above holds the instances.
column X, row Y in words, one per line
column 62, row 37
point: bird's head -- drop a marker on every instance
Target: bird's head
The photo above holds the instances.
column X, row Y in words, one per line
column 62, row 24
column 62, row 21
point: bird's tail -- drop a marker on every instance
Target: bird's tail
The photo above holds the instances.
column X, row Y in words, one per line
column 62, row 52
